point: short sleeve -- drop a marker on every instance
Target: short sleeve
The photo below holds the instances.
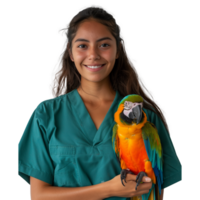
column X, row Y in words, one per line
column 33, row 151
column 172, row 168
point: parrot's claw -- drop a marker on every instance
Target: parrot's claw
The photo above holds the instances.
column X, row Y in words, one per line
column 139, row 178
column 124, row 172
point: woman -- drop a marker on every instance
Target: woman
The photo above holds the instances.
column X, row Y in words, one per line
column 65, row 151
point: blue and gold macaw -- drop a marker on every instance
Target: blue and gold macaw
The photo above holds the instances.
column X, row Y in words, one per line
column 137, row 145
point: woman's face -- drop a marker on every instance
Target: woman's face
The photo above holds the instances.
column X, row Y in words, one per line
column 90, row 49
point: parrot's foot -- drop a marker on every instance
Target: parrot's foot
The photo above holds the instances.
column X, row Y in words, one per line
column 124, row 172
column 139, row 178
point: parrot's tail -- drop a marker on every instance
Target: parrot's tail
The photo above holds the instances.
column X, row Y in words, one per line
column 136, row 198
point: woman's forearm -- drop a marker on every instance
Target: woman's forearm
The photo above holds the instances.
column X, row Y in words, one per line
column 93, row 192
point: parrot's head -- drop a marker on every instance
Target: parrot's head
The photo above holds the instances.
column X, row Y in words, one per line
column 132, row 109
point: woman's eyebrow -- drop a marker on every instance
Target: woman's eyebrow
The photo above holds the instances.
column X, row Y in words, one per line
column 84, row 40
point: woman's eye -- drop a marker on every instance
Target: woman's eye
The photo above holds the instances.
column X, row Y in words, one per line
column 85, row 45
column 106, row 44
column 81, row 45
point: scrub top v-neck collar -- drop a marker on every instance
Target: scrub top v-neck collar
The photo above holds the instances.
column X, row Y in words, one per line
column 85, row 120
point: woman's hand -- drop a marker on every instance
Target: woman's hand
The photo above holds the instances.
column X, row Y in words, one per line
column 117, row 189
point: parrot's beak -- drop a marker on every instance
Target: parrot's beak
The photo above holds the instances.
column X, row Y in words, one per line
column 137, row 113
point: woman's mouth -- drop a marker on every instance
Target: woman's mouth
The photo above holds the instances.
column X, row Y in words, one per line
column 94, row 68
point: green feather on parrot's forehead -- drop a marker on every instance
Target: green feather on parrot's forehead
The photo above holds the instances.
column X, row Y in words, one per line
column 132, row 98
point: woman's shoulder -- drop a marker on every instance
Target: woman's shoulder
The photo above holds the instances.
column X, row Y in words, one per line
column 154, row 118
column 150, row 113
column 50, row 107
column 63, row 97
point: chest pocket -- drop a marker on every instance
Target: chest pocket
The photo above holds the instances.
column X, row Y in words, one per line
column 66, row 170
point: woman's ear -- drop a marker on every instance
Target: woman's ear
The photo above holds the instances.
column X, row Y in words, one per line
column 70, row 53
column 117, row 56
column 71, row 56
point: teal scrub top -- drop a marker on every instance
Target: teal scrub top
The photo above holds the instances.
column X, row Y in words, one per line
column 61, row 145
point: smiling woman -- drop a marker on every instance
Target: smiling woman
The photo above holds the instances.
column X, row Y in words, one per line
column 66, row 148
column 68, row 68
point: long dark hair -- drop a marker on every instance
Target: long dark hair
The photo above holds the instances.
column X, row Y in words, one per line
column 124, row 77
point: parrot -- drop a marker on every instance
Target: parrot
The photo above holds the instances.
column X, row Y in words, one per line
column 137, row 145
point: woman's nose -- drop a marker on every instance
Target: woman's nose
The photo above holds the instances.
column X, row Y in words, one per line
column 93, row 52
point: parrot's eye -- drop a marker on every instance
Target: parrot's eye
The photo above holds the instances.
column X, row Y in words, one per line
column 128, row 105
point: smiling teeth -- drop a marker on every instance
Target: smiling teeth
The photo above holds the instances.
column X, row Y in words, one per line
column 93, row 67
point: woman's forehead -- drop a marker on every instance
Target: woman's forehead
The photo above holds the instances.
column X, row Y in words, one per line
column 93, row 31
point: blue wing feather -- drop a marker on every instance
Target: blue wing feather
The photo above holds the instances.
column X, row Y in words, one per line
column 153, row 153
